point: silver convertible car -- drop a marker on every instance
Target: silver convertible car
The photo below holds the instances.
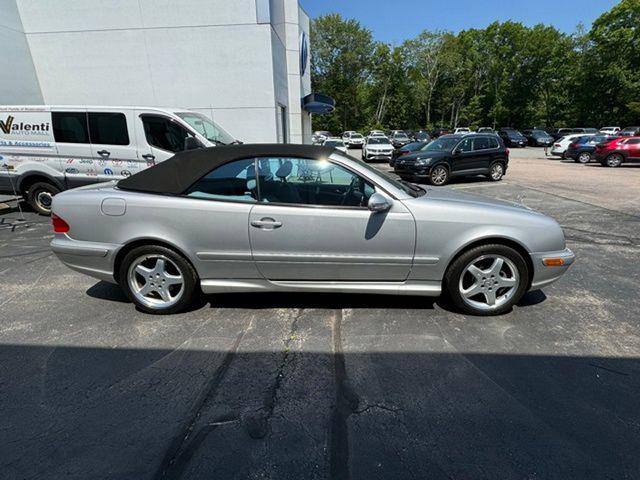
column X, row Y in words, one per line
column 259, row 218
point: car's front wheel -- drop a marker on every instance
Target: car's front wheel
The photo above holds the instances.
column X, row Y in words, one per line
column 487, row 280
column 439, row 175
column 157, row 279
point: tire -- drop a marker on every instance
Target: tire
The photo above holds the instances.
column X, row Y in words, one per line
column 496, row 171
column 439, row 175
column 614, row 160
column 40, row 195
column 161, row 277
column 512, row 275
column 584, row 157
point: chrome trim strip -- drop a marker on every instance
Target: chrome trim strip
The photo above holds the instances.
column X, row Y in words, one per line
column 331, row 258
column 224, row 256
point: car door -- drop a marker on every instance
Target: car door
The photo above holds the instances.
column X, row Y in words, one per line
column 160, row 137
column 485, row 151
column 464, row 158
column 312, row 224
column 113, row 143
column 632, row 147
column 71, row 132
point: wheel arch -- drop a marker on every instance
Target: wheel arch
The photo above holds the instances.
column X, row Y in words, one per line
column 492, row 240
column 26, row 180
column 148, row 241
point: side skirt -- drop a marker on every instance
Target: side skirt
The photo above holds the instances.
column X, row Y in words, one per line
column 428, row 289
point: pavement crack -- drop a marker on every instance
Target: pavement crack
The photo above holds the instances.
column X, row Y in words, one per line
column 185, row 444
column 346, row 403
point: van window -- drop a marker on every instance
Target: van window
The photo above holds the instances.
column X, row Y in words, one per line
column 163, row 133
column 70, row 127
column 108, row 128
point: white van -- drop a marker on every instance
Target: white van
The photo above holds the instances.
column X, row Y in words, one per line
column 47, row 149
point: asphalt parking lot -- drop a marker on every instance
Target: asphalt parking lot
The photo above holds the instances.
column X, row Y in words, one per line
column 334, row 386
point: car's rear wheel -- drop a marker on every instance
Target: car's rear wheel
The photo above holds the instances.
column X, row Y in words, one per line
column 439, row 175
column 40, row 196
column 584, row 157
column 496, row 172
column 487, row 280
column 614, row 160
column 157, row 279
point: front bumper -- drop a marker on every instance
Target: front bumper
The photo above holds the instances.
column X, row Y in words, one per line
column 544, row 275
column 91, row 258
column 378, row 155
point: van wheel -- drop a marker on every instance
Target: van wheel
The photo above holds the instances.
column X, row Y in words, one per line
column 496, row 172
column 157, row 279
column 40, row 196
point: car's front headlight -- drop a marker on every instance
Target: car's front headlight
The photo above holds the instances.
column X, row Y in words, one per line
column 423, row 161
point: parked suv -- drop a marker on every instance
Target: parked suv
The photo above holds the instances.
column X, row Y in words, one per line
column 353, row 139
column 512, row 138
column 45, row 149
column 618, row 151
column 377, row 148
column 400, row 139
column 454, row 156
column 630, row 132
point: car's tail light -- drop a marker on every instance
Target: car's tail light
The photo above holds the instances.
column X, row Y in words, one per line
column 573, row 145
column 59, row 225
column 507, row 151
column 557, row 145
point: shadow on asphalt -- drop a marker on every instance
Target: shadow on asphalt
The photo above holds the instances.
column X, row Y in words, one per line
column 168, row 414
column 327, row 301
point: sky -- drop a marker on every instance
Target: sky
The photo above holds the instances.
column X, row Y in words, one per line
column 396, row 20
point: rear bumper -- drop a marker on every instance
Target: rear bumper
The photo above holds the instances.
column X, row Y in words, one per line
column 91, row 258
column 544, row 275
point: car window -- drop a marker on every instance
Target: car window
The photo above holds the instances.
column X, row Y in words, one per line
column 493, row 142
column 481, row 143
column 633, row 141
column 302, row 181
column 162, row 132
column 234, row 181
column 465, row 145
column 108, row 128
column 70, row 127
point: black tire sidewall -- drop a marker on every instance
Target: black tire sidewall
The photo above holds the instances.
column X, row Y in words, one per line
column 452, row 277
column 191, row 281
column 38, row 188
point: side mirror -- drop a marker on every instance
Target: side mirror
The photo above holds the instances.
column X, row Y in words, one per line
column 378, row 203
column 457, row 151
column 190, row 143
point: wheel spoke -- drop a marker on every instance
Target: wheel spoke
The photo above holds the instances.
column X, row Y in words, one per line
column 172, row 279
column 146, row 289
column 164, row 294
column 473, row 290
column 496, row 267
column 490, row 296
column 476, row 272
column 507, row 282
column 160, row 265
column 144, row 271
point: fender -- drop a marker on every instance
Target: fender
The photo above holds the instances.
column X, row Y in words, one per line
column 36, row 173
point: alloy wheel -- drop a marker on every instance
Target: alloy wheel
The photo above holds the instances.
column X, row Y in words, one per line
column 156, row 281
column 614, row 160
column 488, row 282
column 497, row 171
column 44, row 199
column 439, row 175
column 584, row 157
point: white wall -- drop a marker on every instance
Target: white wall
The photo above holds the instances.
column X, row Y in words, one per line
column 18, row 81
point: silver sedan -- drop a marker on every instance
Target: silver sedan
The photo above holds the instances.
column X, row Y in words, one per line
column 260, row 218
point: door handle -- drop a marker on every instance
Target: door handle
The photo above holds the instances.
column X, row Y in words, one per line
column 148, row 156
column 103, row 153
column 266, row 223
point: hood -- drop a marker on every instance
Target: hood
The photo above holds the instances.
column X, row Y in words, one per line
column 450, row 195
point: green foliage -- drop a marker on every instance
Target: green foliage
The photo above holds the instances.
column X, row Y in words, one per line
column 506, row 74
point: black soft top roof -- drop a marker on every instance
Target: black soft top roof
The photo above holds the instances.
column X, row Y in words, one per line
column 178, row 173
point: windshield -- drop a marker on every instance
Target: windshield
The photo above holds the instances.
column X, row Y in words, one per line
column 539, row 133
column 207, row 128
column 356, row 135
column 408, row 188
column 378, row 140
column 400, row 136
column 442, row 144
column 514, row 134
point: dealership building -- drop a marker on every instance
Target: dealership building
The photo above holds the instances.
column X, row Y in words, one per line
column 244, row 63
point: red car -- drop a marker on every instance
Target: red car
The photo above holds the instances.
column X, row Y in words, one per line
column 618, row 151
